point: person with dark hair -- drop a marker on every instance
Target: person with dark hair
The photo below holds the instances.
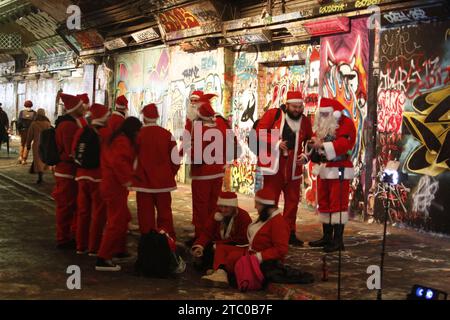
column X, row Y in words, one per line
column 4, row 126
column 117, row 160
column 40, row 124
column 26, row 117
column 268, row 239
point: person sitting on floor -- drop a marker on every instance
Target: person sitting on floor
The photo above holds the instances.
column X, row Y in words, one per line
column 268, row 239
column 228, row 226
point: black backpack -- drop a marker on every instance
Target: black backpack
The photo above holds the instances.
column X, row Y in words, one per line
column 48, row 150
column 254, row 147
column 155, row 258
column 87, row 151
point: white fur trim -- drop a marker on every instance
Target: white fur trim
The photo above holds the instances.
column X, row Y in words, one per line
column 121, row 107
column 218, row 216
column 151, row 119
column 227, row 202
column 154, row 190
column 333, row 218
column 194, row 96
column 251, row 232
column 265, row 201
column 151, row 124
column 75, row 108
column 326, row 109
column 333, row 173
column 294, row 101
column 330, row 153
column 87, row 178
column 62, row 175
column 337, row 114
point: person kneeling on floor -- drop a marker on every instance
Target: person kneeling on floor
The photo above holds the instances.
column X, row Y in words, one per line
column 268, row 239
column 227, row 226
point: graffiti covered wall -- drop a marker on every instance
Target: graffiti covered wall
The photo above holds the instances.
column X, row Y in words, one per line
column 344, row 76
column 413, row 124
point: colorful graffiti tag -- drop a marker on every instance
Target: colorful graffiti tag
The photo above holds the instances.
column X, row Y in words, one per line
column 413, row 124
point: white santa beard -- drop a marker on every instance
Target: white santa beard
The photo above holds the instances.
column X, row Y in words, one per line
column 192, row 112
column 324, row 126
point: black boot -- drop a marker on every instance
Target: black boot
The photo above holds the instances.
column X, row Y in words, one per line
column 294, row 241
column 326, row 238
column 39, row 180
column 338, row 239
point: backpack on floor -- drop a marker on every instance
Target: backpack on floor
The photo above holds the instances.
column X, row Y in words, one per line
column 87, row 151
column 157, row 257
column 248, row 273
column 48, row 150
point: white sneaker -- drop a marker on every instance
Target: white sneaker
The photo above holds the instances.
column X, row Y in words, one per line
column 106, row 265
column 81, row 252
column 218, row 278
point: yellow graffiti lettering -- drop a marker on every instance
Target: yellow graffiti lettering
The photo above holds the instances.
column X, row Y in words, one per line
column 366, row 3
column 333, row 8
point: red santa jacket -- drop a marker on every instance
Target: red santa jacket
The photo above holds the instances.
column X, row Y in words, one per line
column 155, row 171
column 116, row 120
column 341, row 146
column 94, row 175
column 64, row 134
column 269, row 239
column 270, row 165
column 205, row 170
column 116, row 165
column 236, row 231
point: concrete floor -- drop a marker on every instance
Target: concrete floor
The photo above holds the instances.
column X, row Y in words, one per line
column 31, row 267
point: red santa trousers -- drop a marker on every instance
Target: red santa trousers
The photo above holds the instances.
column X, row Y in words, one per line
column 330, row 196
column 146, row 205
column 227, row 256
column 91, row 216
column 282, row 181
column 114, row 238
column 65, row 195
column 205, row 194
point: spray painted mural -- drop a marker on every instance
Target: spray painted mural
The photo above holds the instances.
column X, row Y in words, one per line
column 413, row 125
column 344, row 76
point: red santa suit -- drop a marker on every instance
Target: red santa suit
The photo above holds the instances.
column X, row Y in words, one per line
column 334, row 174
column 207, row 176
column 91, row 208
column 117, row 170
column 269, row 240
column 119, row 115
column 281, row 171
column 155, row 174
column 65, row 191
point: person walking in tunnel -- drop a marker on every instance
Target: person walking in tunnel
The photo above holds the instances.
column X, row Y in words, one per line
column 119, row 114
column 26, row 117
column 268, row 239
column 4, row 127
column 155, row 174
column 65, row 191
column 91, row 209
column 228, row 225
column 117, row 161
column 333, row 142
column 34, row 132
column 283, row 171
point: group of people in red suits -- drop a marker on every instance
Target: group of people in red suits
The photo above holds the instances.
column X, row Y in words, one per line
column 92, row 212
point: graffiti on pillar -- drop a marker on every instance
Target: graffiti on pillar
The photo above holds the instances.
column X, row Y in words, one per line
column 413, row 99
column 344, row 77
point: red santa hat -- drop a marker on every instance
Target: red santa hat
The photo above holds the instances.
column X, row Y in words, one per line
column 206, row 111
column 71, row 103
column 265, row 196
column 28, row 104
column 99, row 113
column 196, row 95
column 84, row 97
column 331, row 105
column 121, row 103
column 150, row 112
column 294, row 97
column 226, row 198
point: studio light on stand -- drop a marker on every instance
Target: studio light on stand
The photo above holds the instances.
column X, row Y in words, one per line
column 390, row 178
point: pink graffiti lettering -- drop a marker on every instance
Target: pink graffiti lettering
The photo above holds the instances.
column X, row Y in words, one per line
column 390, row 110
